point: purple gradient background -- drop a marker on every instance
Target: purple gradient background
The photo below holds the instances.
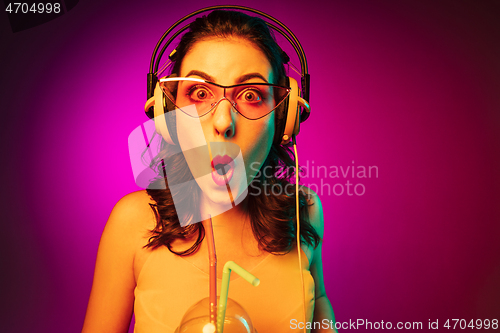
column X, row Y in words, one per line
column 411, row 87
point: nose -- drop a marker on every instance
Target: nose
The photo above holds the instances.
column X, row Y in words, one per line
column 223, row 118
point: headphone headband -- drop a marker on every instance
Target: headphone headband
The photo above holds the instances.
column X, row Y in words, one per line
column 294, row 41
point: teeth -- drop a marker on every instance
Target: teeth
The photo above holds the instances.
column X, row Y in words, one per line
column 222, row 169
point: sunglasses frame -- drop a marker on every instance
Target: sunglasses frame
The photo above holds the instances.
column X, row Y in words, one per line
column 214, row 105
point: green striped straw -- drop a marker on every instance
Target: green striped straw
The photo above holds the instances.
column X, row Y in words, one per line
column 226, row 274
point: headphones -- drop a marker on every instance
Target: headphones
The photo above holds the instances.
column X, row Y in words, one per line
column 157, row 105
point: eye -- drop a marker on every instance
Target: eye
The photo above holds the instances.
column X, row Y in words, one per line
column 251, row 96
column 199, row 93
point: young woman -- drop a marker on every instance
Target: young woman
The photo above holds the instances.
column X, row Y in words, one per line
column 230, row 68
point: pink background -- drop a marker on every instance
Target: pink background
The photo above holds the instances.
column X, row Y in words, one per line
column 410, row 87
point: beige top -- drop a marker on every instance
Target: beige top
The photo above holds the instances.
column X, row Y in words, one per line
column 168, row 285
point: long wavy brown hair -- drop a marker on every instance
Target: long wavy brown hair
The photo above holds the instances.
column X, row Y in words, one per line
column 272, row 216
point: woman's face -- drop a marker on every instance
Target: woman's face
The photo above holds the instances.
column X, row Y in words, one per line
column 237, row 146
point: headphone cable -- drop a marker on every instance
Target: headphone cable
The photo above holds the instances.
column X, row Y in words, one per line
column 298, row 228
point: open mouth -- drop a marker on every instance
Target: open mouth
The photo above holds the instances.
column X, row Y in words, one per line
column 222, row 169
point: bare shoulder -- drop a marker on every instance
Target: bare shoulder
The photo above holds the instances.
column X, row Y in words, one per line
column 132, row 212
column 133, row 204
column 129, row 225
column 315, row 210
column 129, row 228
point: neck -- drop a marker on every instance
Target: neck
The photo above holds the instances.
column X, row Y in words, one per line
column 226, row 217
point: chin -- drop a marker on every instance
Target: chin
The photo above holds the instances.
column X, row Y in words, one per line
column 216, row 199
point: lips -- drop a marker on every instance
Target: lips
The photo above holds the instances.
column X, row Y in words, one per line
column 222, row 169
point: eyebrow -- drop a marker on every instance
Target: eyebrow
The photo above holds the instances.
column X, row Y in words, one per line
column 241, row 79
column 249, row 76
column 201, row 74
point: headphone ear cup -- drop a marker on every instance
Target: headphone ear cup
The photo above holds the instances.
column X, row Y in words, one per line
column 281, row 115
column 170, row 117
column 160, row 109
column 292, row 125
